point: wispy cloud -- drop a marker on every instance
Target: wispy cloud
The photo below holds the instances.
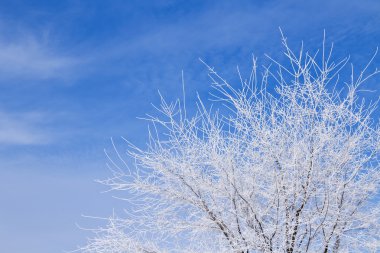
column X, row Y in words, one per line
column 22, row 129
column 28, row 58
column 32, row 54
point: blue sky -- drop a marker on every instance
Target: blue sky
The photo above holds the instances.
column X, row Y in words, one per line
column 73, row 74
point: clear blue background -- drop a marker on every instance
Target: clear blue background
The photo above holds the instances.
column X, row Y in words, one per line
column 73, row 74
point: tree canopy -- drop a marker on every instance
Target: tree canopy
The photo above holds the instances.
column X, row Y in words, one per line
column 289, row 169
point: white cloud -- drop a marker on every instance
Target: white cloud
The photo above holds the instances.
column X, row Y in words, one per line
column 29, row 59
column 26, row 55
column 22, row 129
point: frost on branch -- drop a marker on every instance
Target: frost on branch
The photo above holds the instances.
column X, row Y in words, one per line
column 295, row 169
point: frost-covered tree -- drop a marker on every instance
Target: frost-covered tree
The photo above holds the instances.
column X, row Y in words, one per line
column 291, row 166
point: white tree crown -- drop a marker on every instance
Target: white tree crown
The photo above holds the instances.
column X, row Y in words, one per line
column 294, row 169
